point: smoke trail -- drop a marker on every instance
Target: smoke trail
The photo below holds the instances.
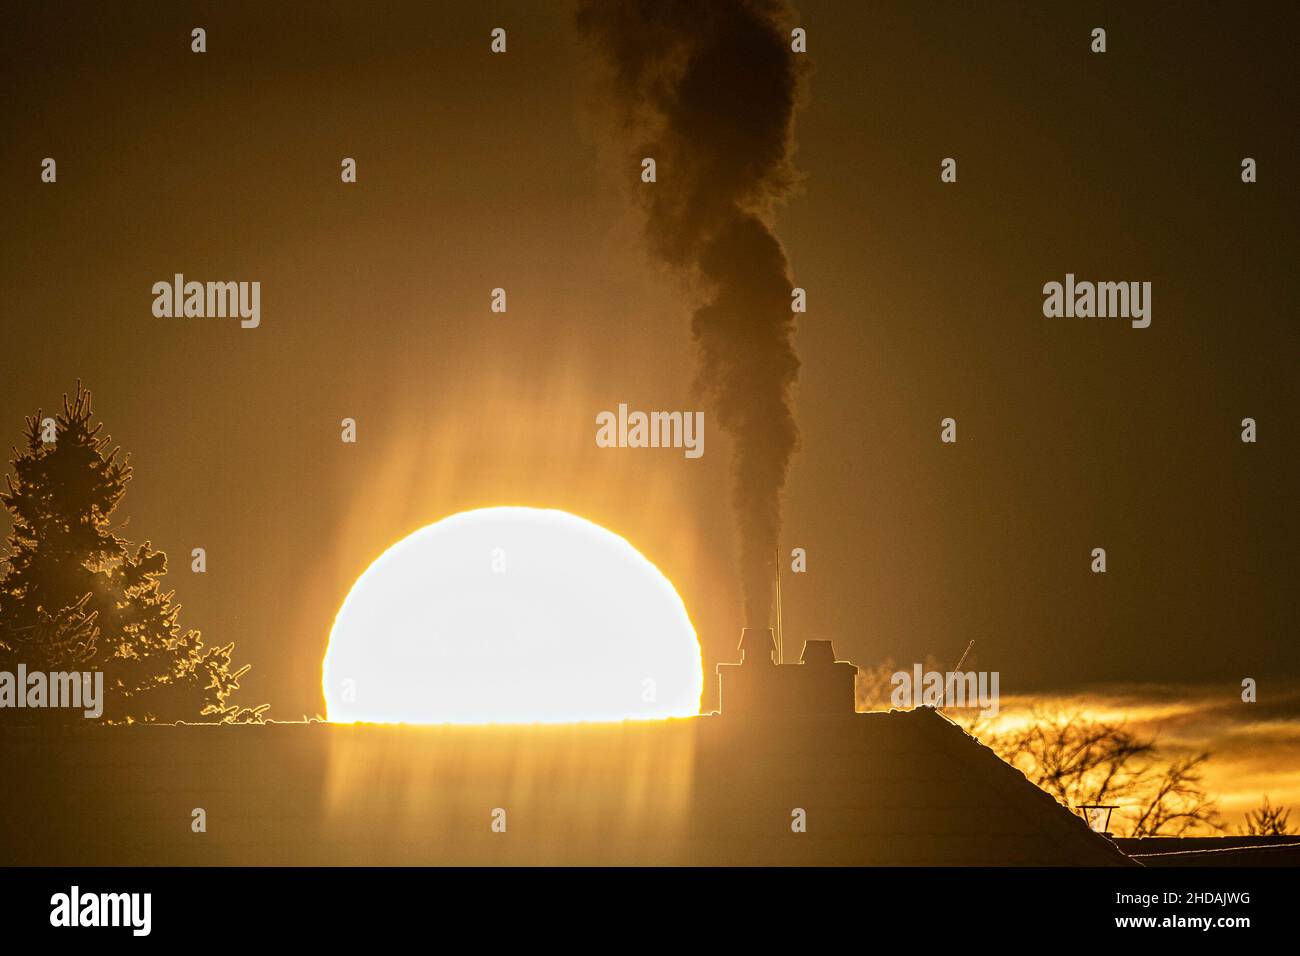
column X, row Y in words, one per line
column 709, row 91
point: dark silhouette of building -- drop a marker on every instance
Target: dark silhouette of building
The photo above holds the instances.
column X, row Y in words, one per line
column 787, row 774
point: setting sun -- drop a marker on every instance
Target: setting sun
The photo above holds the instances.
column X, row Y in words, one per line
column 512, row 615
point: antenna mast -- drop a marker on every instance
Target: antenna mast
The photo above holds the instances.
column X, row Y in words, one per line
column 780, row 642
column 943, row 701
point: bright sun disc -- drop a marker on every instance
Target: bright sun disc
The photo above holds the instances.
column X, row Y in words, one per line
column 511, row 615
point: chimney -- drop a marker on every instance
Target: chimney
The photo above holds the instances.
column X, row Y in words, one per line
column 761, row 689
column 817, row 653
column 757, row 644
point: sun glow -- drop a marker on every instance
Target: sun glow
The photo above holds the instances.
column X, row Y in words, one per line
column 512, row 615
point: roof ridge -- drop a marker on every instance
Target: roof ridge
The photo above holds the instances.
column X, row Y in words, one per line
column 956, row 742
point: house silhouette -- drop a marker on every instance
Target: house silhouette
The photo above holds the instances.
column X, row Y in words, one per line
column 788, row 773
column 897, row 788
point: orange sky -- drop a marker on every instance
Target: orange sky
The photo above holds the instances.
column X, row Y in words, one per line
column 1254, row 747
column 478, row 171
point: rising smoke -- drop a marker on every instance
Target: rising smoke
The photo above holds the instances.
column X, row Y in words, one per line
column 709, row 91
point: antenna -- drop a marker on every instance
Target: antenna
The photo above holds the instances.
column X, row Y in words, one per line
column 944, row 700
column 780, row 642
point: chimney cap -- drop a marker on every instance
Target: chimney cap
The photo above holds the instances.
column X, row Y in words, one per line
column 817, row 652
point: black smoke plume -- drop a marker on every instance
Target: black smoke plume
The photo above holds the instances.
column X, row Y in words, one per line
column 709, row 90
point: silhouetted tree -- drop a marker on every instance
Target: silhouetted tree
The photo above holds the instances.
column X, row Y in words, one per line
column 76, row 596
column 1083, row 761
column 1267, row 820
